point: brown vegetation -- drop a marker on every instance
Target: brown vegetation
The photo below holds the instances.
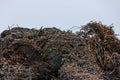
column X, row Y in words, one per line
column 93, row 53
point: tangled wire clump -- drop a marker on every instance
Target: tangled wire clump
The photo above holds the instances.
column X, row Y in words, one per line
column 93, row 53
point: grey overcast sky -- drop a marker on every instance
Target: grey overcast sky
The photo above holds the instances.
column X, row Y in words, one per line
column 63, row 14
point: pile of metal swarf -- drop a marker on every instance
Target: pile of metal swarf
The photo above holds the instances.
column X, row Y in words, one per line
column 92, row 53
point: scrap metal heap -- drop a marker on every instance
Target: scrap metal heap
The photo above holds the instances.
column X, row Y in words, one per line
column 93, row 53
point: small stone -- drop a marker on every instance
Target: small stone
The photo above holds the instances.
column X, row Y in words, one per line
column 1, row 65
column 1, row 75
